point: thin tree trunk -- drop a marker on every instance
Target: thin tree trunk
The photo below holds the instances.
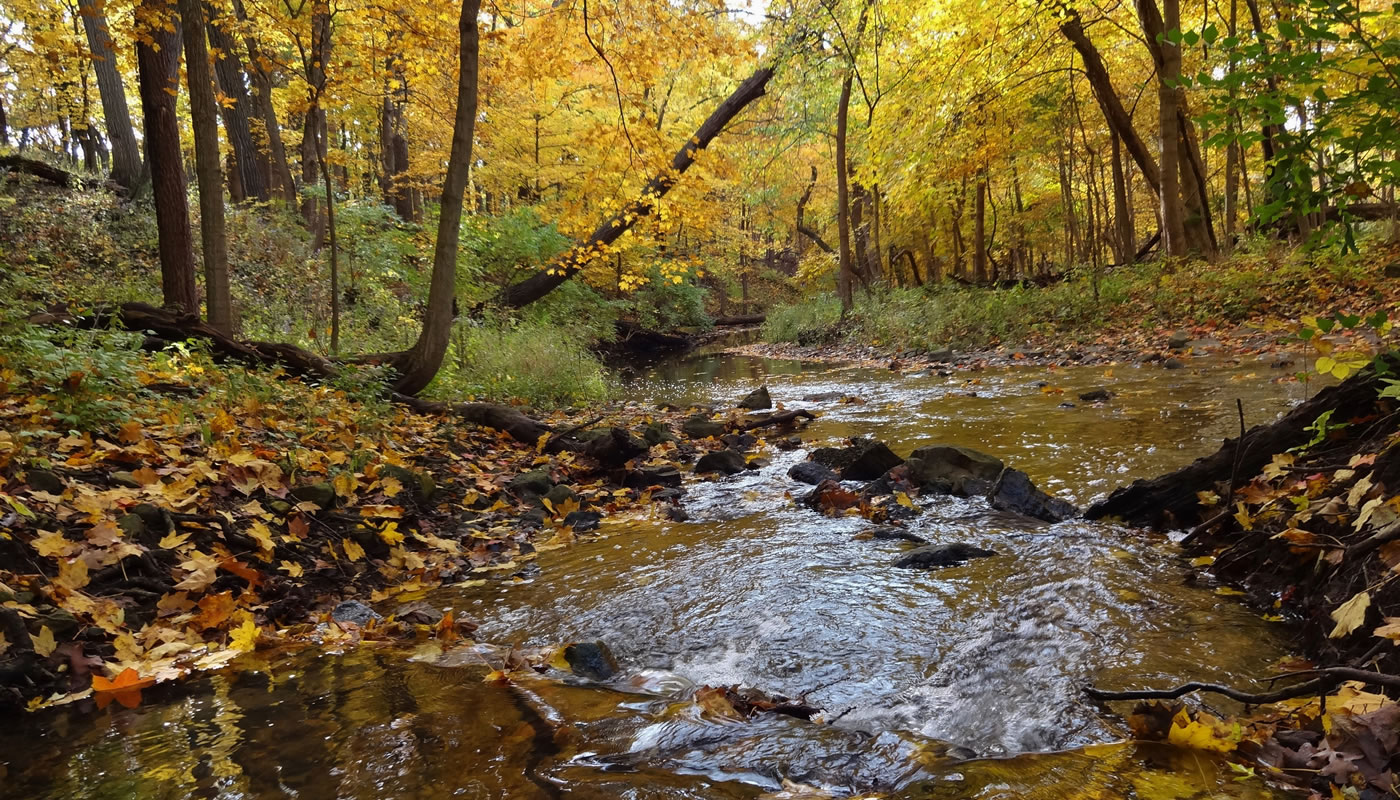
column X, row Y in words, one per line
column 208, row 170
column 979, row 230
column 1168, row 57
column 418, row 365
column 126, row 155
column 846, row 268
column 253, row 166
column 1125, row 242
column 157, row 64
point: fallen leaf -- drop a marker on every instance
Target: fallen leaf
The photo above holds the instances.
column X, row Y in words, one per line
column 1350, row 615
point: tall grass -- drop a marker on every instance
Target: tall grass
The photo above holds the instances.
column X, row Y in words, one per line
column 539, row 364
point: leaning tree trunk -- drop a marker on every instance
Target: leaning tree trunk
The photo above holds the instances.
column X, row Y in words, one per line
column 126, row 155
column 566, row 266
column 1168, row 57
column 157, row 64
column 253, row 166
column 314, row 127
column 208, row 170
column 417, row 366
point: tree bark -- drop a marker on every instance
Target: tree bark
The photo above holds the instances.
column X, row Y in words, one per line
column 979, row 231
column 279, row 175
column 253, row 167
column 846, row 266
column 208, row 170
column 157, row 63
column 417, row 366
column 1124, row 240
column 314, row 62
column 566, row 266
column 126, row 155
column 1168, row 58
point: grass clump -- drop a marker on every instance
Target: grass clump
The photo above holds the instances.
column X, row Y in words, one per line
column 536, row 363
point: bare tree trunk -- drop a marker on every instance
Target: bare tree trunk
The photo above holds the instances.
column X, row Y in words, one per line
column 208, row 170
column 157, row 64
column 979, row 230
column 126, row 155
column 1125, row 242
column 253, row 167
column 314, row 124
column 418, row 365
column 846, row 268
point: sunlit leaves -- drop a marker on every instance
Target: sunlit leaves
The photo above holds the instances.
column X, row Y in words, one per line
column 1350, row 615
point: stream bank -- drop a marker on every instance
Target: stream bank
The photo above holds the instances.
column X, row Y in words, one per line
column 914, row 669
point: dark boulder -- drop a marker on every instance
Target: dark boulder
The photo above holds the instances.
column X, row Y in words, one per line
column 700, row 426
column 941, row 555
column 1174, row 363
column 592, row 660
column 810, row 472
column 757, row 400
column 1179, row 340
column 582, row 521
column 1015, row 492
column 662, row 475
column 952, row 469
column 42, row 480
column 322, row 494
column 864, row 460
column 535, row 483
column 728, row 462
column 616, row 448
column 1096, row 396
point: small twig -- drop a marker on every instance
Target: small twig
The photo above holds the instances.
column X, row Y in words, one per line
column 1239, row 450
column 1200, row 529
column 564, row 434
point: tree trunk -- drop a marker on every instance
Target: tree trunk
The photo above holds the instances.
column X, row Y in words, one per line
column 417, row 366
column 208, row 170
column 846, row 266
column 1168, row 58
column 253, row 167
column 1117, row 116
column 979, row 230
column 566, row 266
column 269, row 130
column 157, row 63
column 314, row 123
column 1124, row 240
column 126, row 155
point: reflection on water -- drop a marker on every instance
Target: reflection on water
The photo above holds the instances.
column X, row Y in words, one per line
column 917, row 668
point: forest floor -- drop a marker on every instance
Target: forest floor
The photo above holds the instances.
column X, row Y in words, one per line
column 1246, row 306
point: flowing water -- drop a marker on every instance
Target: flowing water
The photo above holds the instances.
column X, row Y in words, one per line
column 962, row 682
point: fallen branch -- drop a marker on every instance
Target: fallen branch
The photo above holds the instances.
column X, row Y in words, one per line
column 741, row 319
column 780, row 418
column 1327, row 678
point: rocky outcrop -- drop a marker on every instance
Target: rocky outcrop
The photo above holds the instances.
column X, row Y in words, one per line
column 953, row 470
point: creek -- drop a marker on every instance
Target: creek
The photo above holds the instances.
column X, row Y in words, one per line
column 956, row 683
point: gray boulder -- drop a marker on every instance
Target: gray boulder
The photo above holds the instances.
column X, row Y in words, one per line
column 727, row 462
column 1179, row 340
column 864, row 460
column 954, row 470
column 700, row 426
column 1015, row 492
column 356, row 612
column 535, row 483
column 592, row 660
column 941, row 555
column 757, row 400
column 812, row 473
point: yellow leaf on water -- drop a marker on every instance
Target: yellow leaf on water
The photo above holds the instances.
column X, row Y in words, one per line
column 903, row 499
column 1203, row 561
column 245, row 637
column 1350, row 615
column 1228, row 591
column 44, row 643
column 1201, row 734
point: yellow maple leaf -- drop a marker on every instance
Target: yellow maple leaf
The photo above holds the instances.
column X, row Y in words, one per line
column 262, row 535
column 4, row 644
column 391, row 534
column 352, row 550
column 290, row 568
column 1350, row 615
column 72, row 574
column 903, row 499
column 244, row 638
column 44, row 643
column 1201, row 734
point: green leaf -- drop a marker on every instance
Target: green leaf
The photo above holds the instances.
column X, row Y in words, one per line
column 1210, row 34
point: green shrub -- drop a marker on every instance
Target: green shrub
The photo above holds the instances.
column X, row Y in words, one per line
column 540, row 364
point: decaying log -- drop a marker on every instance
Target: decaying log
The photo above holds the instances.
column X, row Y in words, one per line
column 741, row 319
column 1171, row 500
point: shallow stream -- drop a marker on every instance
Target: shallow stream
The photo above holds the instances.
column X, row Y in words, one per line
column 920, row 671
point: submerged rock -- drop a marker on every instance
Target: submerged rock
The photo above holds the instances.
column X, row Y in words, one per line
column 1179, row 340
column 355, row 612
column 592, row 660
column 1015, row 492
column 864, row 460
column 942, row 555
column 900, row 534
column 727, row 462
column 812, row 473
column 1096, row 396
column 757, row 400
column 662, row 475
column 583, row 521
column 952, row 469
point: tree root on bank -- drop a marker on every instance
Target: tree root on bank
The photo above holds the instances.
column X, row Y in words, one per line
column 164, row 326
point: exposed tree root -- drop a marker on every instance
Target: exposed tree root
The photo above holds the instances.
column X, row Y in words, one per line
column 1327, row 679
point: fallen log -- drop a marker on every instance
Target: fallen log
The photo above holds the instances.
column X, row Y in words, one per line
column 778, row 419
column 40, row 169
column 164, row 326
column 1170, row 501
column 740, row 319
